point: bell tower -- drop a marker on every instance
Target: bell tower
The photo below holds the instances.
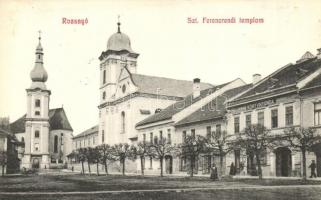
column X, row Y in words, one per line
column 37, row 126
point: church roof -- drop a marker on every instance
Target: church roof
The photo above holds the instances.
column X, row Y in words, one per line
column 165, row 86
column 214, row 109
column 57, row 119
column 90, row 131
column 171, row 110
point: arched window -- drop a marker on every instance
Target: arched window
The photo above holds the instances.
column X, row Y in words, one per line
column 103, row 136
column 56, row 144
column 104, row 76
column 37, row 134
column 123, row 122
column 37, row 103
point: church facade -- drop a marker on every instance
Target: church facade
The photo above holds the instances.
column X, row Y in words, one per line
column 46, row 133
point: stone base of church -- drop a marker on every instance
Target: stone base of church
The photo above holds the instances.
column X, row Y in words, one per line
column 35, row 162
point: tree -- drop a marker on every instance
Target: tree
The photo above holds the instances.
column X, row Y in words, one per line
column 220, row 143
column 96, row 158
column 255, row 139
column 106, row 154
column 89, row 153
column 191, row 148
column 142, row 150
column 3, row 161
column 161, row 148
column 303, row 139
column 81, row 152
column 122, row 152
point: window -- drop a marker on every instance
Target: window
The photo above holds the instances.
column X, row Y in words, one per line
column 123, row 124
column 208, row 132
column 37, row 134
column 56, row 144
column 155, row 139
column 62, row 139
column 274, row 118
column 36, row 146
column 151, row 137
column 218, row 129
column 184, row 136
column 104, row 76
column 248, row 121
column 160, row 135
column 37, row 103
column 102, row 136
column 104, row 95
column 88, row 141
column 317, row 114
column 193, row 133
column 22, row 139
column 289, row 116
column 94, row 140
column 236, row 124
column 169, row 139
column 37, row 113
column 260, row 118
column 150, row 163
column 144, row 137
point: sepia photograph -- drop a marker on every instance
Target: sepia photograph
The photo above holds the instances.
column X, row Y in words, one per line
column 172, row 99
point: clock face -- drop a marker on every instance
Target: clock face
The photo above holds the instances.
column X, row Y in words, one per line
column 123, row 88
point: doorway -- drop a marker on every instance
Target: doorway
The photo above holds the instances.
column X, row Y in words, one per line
column 35, row 163
column 283, row 161
column 169, row 164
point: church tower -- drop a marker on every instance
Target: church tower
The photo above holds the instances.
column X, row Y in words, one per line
column 118, row 55
column 36, row 153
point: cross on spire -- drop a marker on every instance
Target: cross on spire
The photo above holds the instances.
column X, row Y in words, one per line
column 118, row 24
column 39, row 35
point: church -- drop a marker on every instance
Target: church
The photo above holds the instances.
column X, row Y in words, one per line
column 127, row 97
column 46, row 133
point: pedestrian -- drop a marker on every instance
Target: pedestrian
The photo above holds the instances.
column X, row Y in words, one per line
column 313, row 167
column 232, row 169
column 214, row 175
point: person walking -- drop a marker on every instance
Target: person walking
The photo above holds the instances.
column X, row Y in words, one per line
column 313, row 167
column 214, row 175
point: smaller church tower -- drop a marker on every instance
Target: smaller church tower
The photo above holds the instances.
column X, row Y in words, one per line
column 36, row 153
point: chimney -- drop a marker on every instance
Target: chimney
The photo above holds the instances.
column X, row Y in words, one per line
column 256, row 78
column 319, row 53
column 196, row 87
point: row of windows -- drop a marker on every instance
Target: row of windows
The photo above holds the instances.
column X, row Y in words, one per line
column 260, row 119
column 90, row 141
column 154, row 139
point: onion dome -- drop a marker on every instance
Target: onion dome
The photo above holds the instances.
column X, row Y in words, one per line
column 119, row 41
column 38, row 73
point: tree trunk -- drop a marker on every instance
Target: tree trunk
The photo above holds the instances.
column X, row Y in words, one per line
column 89, row 168
column 161, row 165
column 82, row 167
column 97, row 168
column 304, row 164
column 221, row 163
column 258, row 162
column 124, row 166
column 106, row 168
column 142, row 164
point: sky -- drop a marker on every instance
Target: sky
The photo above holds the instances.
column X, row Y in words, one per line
column 168, row 45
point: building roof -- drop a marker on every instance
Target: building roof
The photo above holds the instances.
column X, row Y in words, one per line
column 57, row 119
column 314, row 83
column 90, row 131
column 280, row 81
column 214, row 109
column 165, row 86
column 4, row 133
column 171, row 110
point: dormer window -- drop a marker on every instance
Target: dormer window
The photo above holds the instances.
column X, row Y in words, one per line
column 37, row 103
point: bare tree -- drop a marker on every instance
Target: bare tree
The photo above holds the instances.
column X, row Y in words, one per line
column 302, row 139
column 255, row 139
column 142, row 150
column 96, row 158
column 219, row 143
column 191, row 148
column 122, row 152
column 81, row 153
column 106, row 155
column 161, row 148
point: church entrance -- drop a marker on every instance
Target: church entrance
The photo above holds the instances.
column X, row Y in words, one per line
column 169, row 164
column 283, row 161
column 35, row 163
